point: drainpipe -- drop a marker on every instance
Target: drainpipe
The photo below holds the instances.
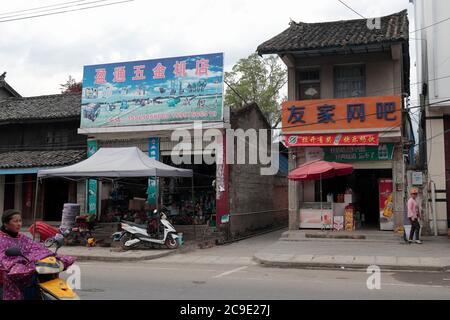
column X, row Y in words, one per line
column 433, row 207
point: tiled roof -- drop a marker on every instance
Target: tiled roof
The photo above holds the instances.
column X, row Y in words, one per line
column 58, row 106
column 8, row 88
column 314, row 36
column 33, row 159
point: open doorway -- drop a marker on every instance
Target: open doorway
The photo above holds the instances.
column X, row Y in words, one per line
column 366, row 188
column 56, row 194
column 9, row 192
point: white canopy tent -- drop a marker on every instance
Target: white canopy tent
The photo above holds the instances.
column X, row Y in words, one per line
column 114, row 163
column 117, row 163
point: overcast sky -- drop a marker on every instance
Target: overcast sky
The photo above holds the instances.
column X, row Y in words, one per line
column 39, row 54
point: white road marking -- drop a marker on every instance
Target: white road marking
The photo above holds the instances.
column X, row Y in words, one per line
column 413, row 285
column 230, row 272
column 147, row 267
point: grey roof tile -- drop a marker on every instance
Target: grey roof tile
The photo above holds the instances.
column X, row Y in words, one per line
column 58, row 106
column 32, row 159
column 314, row 36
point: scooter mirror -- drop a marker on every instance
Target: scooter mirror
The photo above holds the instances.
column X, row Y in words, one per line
column 155, row 211
column 13, row 252
column 59, row 241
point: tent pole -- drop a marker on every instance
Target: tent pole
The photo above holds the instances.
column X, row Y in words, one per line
column 157, row 194
column 321, row 210
column 193, row 204
column 35, row 207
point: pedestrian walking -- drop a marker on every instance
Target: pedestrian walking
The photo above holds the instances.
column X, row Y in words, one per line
column 414, row 216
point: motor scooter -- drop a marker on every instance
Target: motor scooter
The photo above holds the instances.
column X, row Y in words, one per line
column 51, row 286
column 133, row 235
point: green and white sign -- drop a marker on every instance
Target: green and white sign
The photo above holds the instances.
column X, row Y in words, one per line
column 92, row 184
column 360, row 153
column 153, row 152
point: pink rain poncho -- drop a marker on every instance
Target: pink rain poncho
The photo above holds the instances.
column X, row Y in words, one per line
column 17, row 272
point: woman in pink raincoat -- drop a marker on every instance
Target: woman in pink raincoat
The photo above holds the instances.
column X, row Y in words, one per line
column 17, row 279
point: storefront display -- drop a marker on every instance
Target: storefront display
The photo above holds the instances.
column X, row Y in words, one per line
column 386, row 204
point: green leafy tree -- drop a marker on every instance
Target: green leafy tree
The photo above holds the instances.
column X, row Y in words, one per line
column 71, row 86
column 256, row 79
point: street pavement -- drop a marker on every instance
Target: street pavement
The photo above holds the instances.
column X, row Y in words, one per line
column 229, row 272
column 432, row 255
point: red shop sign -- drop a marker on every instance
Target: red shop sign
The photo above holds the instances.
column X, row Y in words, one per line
column 337, row 139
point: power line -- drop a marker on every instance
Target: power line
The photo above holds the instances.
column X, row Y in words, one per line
column 66, row 11
column 47, row 10
column 431, row 25
column 32, row 9
column 352, row 9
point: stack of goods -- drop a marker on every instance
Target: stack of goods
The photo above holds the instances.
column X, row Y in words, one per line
column 349, row 219
column 69, row 214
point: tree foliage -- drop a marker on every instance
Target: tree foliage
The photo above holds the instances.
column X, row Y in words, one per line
column 71, row 86
column 256, row 79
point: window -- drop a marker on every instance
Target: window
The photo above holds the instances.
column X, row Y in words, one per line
column 309, row 84
column 349, row 81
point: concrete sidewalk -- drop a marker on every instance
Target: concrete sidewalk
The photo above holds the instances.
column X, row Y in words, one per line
column 113, row 254
column 432, row 255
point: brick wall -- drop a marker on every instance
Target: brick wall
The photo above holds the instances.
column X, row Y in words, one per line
column 257, row 202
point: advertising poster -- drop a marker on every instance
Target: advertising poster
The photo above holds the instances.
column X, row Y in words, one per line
column 385, row 187
column 92, row 184
column 169, row 90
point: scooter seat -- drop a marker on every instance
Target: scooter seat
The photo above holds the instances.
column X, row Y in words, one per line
column 142, row 226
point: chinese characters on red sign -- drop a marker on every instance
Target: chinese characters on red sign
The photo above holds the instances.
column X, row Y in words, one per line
column 351, row 113
column 159, row 71
column 324, row 140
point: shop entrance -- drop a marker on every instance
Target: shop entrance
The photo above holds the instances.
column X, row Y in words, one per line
column 177, row 194
column 9, row 192
column 364, row 185
column 366, row 189
column 56, row 194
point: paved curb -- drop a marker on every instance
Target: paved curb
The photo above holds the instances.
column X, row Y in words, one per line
column 123, row 258
column 348, row 266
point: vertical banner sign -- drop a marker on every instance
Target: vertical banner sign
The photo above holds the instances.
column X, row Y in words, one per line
column 153, row 152
column 386, row 204
column 92, row 184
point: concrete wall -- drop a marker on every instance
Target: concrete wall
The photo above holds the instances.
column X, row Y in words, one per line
column 434, row 49
column 437, row 168
column 253, row 198
column 383, row 72
column 433, row 68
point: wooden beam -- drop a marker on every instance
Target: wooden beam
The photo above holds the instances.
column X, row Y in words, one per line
column 288, row 60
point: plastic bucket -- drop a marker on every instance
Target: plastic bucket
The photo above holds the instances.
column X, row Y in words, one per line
column 180, row 239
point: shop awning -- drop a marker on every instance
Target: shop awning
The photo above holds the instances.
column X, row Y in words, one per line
column 319, row 169
column 117, row 163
